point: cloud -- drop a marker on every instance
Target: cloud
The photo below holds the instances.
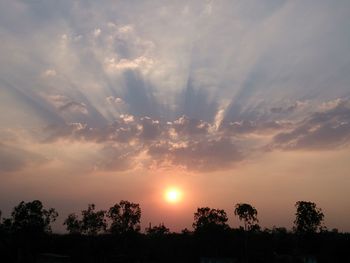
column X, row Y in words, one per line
column 49, row 73
column 66, row 105
column 204, row 155
column 117, row 158
column 74, row 106
column 115, row 100
column 193, row 79
column 327, row 129
column 123, row 130
column 14, row 159
column 141, row 62
column 245, row 127
column 186, row 126
column 186, row 142
column 288, row 109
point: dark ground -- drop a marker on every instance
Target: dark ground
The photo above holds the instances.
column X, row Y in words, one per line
column 232, row 245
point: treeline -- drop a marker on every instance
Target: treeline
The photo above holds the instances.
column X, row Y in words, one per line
column 125, row 217
column 114, row 235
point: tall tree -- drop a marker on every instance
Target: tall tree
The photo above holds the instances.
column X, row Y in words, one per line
column 308, row 217
column 31, row 217
column 207, row 218
column 93, row 222
column 248, row 214
column 125, row 217
column 73, row 224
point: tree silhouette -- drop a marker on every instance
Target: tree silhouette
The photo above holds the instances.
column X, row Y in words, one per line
column 31, row 217
column 207, row 218
column 125, row 217
column 308, row 217
column 248, row 214
column 157, row 230
column 93, row 222
column 73, row 224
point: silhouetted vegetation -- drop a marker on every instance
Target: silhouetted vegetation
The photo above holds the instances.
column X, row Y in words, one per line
column 30, row 218
column 308, row 218
column 125, row 217
column 115, row 236
column 248, row 214
column 207, row 219
column 92, row 222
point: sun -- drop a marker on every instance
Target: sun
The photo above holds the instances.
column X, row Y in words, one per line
column 173, row 195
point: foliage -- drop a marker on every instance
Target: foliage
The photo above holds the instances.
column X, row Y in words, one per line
column 93, row 222
column 125, row 217
column 215, row 240
column 206, row 218
column 30, row 217
column 248, row 214
column 308, row 217
column 157, row 230
column 73, row 224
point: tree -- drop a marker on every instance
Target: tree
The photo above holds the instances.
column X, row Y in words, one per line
column 73, row 224
column 248, row 214
column 92, row 222
column 125, row 217
column 157, row 230
column 207, row 218
column 31, row 217
column 308, row 217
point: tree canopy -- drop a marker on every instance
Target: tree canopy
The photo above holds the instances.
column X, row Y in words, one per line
column 308, row 217
column 248, row 214
column 206, row 217
column 73, row 224
column 93, row 221
column 159, row 230
column 125, row 217
column 31, row 217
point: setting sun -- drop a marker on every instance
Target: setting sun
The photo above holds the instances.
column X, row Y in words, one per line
column 173, row 195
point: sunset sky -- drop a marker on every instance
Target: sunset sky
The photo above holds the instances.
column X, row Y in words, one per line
column 225, row 101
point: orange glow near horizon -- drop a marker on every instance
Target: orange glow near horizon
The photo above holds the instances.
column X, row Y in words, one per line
column 173, row 195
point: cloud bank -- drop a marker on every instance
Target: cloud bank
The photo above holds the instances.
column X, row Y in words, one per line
column 199, row 85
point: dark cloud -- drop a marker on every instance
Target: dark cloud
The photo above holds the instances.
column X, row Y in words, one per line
column 186, row 126
column 186, row 142
column 150, row 129
column 74, row 106
column 247, row 127
column 287, row 109
column 205, row 155
column 326, row 129
column 195, row 144
column 122, row 130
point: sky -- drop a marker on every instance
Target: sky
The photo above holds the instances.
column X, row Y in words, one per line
column 228, row 101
